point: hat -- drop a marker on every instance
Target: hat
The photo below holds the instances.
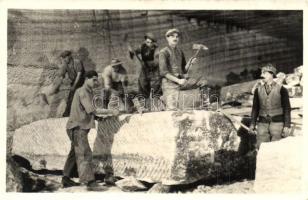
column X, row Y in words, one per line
column 115, row 62
column 269, row 68
column 172, row 31
column 150, row 36
column 65, row 54
column 90, row 74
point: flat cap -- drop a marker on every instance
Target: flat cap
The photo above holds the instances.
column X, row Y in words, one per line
column 172, row 31
column 65, row 54
column 90, row 74
column 150, row 36
column 115, row 62
column 269, row 68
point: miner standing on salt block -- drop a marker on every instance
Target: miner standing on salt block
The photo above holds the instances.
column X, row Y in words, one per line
column 271, row 110
column 81, row 120
column 173, row 70
column 149, row 78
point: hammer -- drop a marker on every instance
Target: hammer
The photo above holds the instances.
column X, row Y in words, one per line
column 197, row 47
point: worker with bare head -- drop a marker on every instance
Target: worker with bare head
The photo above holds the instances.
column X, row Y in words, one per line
column 149, row 79
column 271, row 108
column 173, row 68
column 80, row 121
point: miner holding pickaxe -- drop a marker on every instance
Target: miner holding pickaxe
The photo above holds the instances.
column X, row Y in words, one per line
column 147, row 54
column 174, row 69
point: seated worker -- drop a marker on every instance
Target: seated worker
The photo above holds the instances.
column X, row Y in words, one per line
column 173, row 69
column 271, row 110
column 115, row 83
column 81, row 120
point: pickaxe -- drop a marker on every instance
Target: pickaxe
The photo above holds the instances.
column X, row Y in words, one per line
column 197, row 47
column 130, row 49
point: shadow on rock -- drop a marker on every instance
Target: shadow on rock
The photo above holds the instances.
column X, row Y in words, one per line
column 106, row 130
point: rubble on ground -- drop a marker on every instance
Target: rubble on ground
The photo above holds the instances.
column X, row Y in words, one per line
column 159, row 188
column 244, row 187
column 130, row 184
column 14, row 180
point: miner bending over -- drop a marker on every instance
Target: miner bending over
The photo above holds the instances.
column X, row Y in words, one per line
column 115, row 82
column 75, row 71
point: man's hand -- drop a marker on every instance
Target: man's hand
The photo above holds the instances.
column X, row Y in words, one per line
column 252, row 130
column 73, row 88
column 193, row 60
column 115, row 112
column 286, row 132
column 100, row 112
column 186, row 76
column 182, row 81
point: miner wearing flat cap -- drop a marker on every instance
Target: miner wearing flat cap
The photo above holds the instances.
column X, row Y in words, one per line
column 173, row 67
column 271, row 110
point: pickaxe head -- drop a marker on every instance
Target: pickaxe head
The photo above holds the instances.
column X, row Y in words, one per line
column 199, row 47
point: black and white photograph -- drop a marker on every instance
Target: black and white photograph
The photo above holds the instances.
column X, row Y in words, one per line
column 150, row 101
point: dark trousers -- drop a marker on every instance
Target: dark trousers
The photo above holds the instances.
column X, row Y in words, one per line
column 69, row 103
column 79, row 154
column 70, row 98
column 149, row 81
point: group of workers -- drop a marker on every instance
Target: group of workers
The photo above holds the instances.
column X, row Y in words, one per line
column 164, row 73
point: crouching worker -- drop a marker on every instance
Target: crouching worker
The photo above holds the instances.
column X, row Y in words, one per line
column 115, row 83
column 81, row 120
column 271, row 108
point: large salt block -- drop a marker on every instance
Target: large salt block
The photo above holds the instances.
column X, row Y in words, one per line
column 279, row 166
column 168, row 147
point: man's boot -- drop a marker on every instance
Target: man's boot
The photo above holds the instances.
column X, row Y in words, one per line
column 110, row 179
column 93, row 186
column 67, row 182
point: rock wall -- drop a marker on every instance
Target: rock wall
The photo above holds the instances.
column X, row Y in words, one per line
column 36, row 38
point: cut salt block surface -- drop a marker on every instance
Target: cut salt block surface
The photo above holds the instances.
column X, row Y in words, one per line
column 279, row 166
column 168, row 147
column 45, row 141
